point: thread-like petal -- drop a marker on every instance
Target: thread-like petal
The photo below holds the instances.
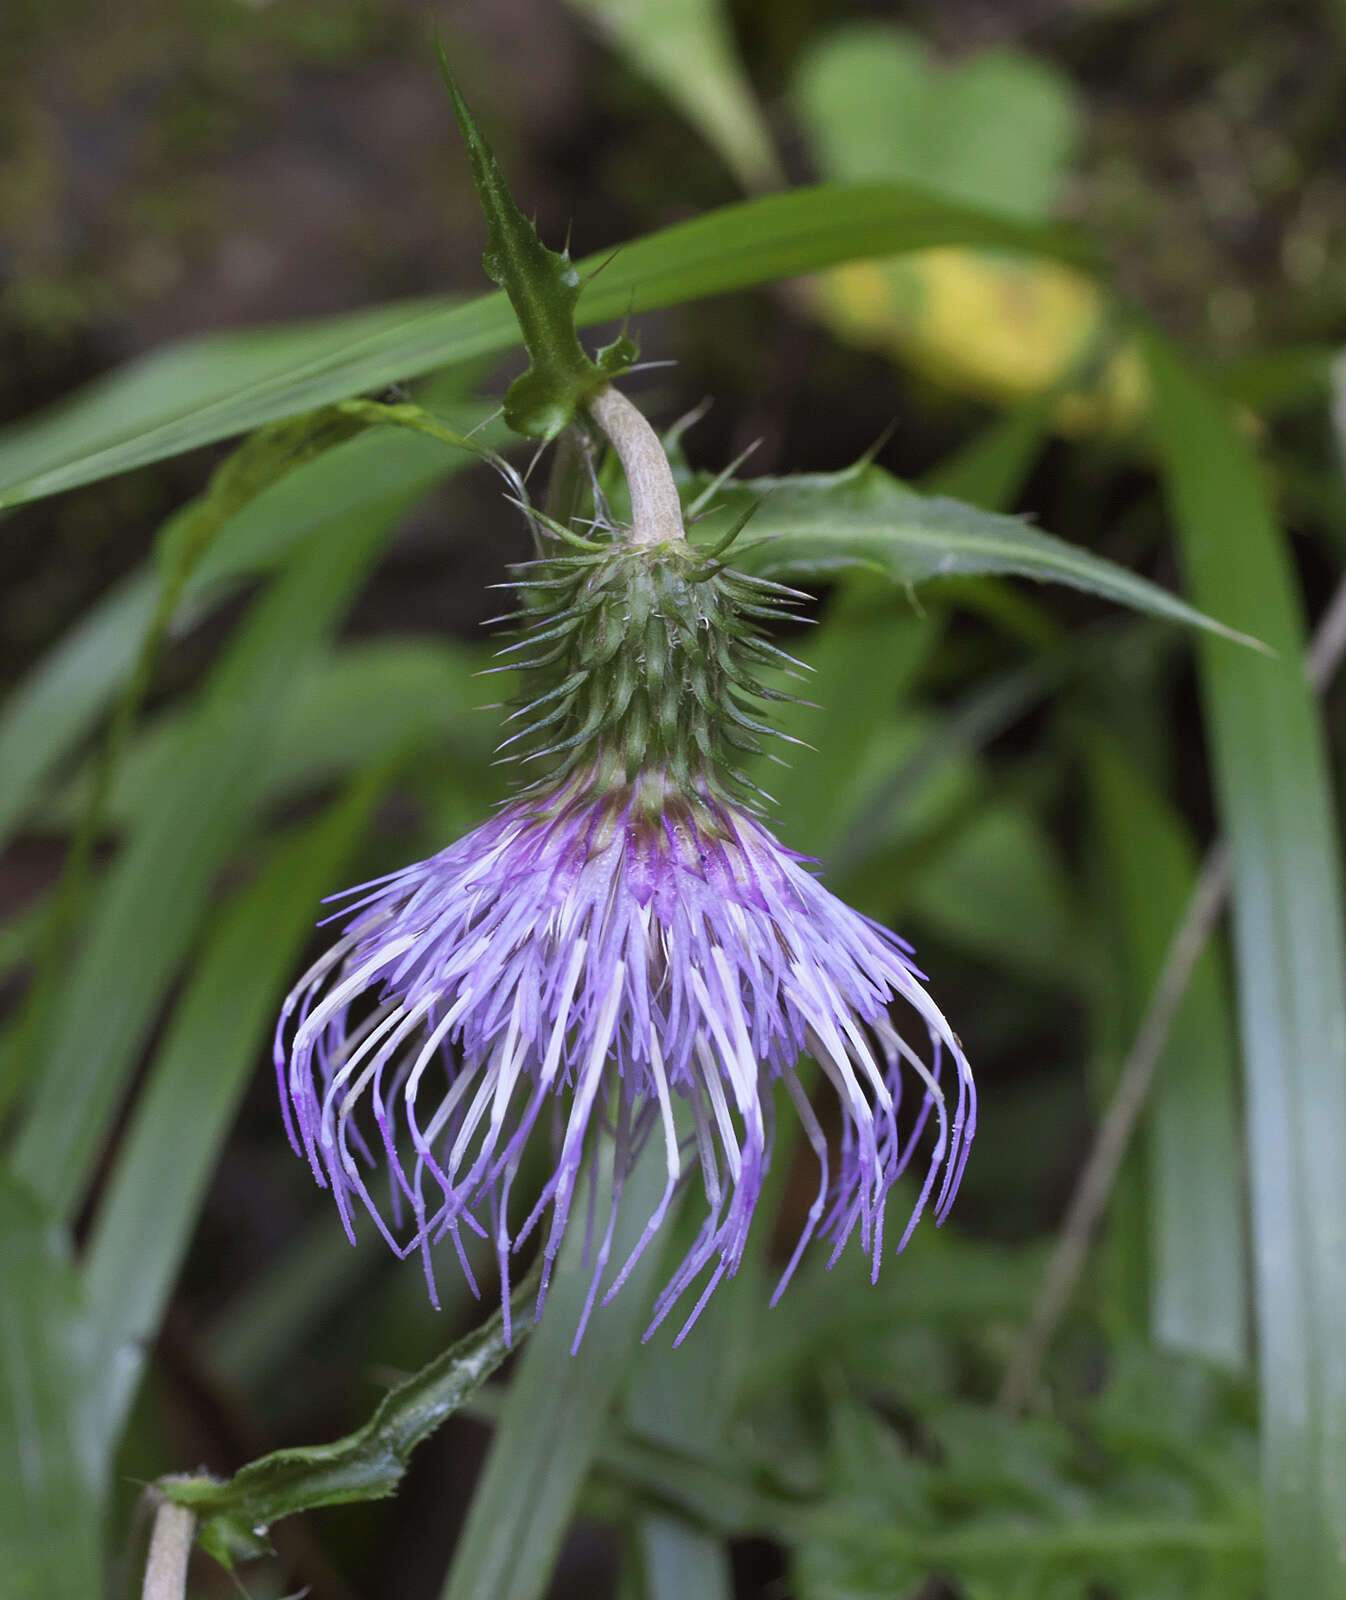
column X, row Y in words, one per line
column 578, row 951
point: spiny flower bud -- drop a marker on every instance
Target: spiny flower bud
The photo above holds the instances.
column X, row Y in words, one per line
column 647, row 660
column 623, row 938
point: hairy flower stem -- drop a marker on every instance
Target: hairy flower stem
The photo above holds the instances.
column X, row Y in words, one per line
column 656, row 511
column 169, row 1553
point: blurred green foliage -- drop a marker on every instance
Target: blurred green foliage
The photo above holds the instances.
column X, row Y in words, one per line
column 1015, row 776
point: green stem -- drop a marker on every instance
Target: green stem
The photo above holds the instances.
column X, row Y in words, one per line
column 368, row 1464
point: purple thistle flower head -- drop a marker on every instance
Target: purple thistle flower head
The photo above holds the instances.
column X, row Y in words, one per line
column 624, row 953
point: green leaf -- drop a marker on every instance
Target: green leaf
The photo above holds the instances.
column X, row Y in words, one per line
column 941, row 1281
column 1193, row 1156
column 146, row 1216
column 862, row 662
column 1276, row 805
column 159, row 886
column 228, row 384
column 678, row 1561
column 51, row 1478
column 993, row 467
column 345, row 710
column 21, row 936
column 998, row 890
column 686, row 49
column 61, row 698
column 996, row 131
column 817, row 525
column 148, row 393
column 682, row 1397
column 990, row 470
column 556, row 1409
column 256, row 465
column 368, row 1464
column 1009, row 1508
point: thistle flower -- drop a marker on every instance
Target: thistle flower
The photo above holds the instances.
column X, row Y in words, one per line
column 624, row 952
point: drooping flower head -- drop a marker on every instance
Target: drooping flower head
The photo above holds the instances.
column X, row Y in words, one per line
column 623, row 953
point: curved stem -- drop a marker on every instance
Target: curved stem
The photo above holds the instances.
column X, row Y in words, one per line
column 656, row 511
column 170, row 1550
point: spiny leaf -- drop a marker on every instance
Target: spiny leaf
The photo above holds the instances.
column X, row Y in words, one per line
column 236, row 1513
column 817, row 525
column 543, row 287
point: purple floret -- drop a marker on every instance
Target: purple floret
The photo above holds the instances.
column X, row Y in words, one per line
column 632, row 976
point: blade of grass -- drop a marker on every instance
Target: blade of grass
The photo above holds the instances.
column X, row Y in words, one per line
column 58, row 701
column 1277, row 808
column 51, row 1483
column 159, row 886
column 682, row 1398
column 1203, row 908
column 255, row 466
column 210, row 389
column 348, row 709
column 678, row 1561
column 686, row 49
column 556, row 1409
column 145, row 1218
column 62, row 697
column 1197, row 1247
